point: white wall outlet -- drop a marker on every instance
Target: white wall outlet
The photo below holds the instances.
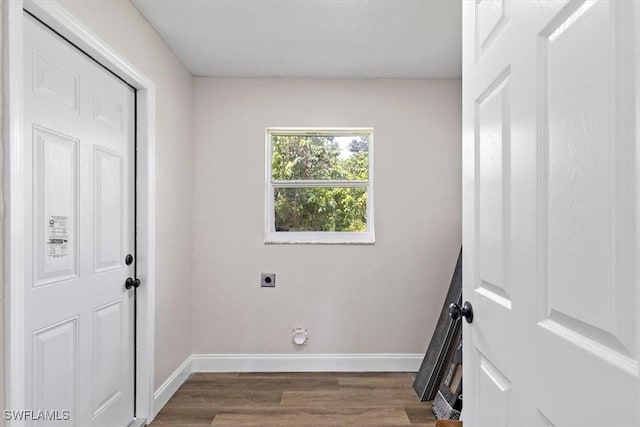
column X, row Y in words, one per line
column 268, row 280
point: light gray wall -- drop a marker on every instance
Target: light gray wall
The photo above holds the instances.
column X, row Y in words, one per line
column 354, row 299
column 363, row 299
column 119, row 24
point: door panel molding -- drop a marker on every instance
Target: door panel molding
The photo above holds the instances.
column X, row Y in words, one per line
column 45, row 375
column 46, row 72
column 493, row 227
column 491, row 19
column 593, row 187
column 59, row 20
column 106, row 385
column 495, row 387
column 108, row 255
column 598, row 343
column 47, row 180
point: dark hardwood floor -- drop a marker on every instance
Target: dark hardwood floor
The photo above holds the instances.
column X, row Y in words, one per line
column 296, row 399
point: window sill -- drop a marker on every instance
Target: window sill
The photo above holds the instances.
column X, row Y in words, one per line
column 320, row 238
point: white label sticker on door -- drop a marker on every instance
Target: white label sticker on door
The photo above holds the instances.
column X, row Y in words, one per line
column 58, row 238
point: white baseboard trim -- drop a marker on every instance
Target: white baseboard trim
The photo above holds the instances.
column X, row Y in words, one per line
column 171, row 385
column 306, row 362
column 282, row 363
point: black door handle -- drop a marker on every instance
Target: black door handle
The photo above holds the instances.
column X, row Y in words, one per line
column 132, row 283
column 466, row 311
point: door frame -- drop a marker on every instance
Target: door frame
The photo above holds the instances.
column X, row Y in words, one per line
column 61, row 21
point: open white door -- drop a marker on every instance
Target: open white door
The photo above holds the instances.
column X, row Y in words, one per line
column 551, row 146
column 79, row 175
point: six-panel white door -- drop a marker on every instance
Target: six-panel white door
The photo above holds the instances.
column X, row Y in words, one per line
column 79, row 173
column 551, row 146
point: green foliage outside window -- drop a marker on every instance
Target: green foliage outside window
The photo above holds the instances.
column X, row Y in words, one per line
column 314, row 157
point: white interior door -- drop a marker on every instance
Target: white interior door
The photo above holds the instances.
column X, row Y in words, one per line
column 551, row 150
column 79, row 174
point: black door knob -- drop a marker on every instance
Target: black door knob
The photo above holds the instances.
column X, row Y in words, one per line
column 131, row 283
column 466, row 311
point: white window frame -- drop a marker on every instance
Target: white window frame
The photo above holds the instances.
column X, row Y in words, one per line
column 317, row 237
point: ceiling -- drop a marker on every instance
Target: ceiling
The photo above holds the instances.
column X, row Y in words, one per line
column 312, row 38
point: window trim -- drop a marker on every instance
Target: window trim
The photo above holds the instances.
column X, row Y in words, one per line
column 317, row 237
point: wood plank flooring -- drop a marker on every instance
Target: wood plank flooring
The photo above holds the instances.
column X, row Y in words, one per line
column 296, row 399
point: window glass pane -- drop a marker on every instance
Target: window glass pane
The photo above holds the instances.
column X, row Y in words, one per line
column 308, row 157
column 320, row 209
